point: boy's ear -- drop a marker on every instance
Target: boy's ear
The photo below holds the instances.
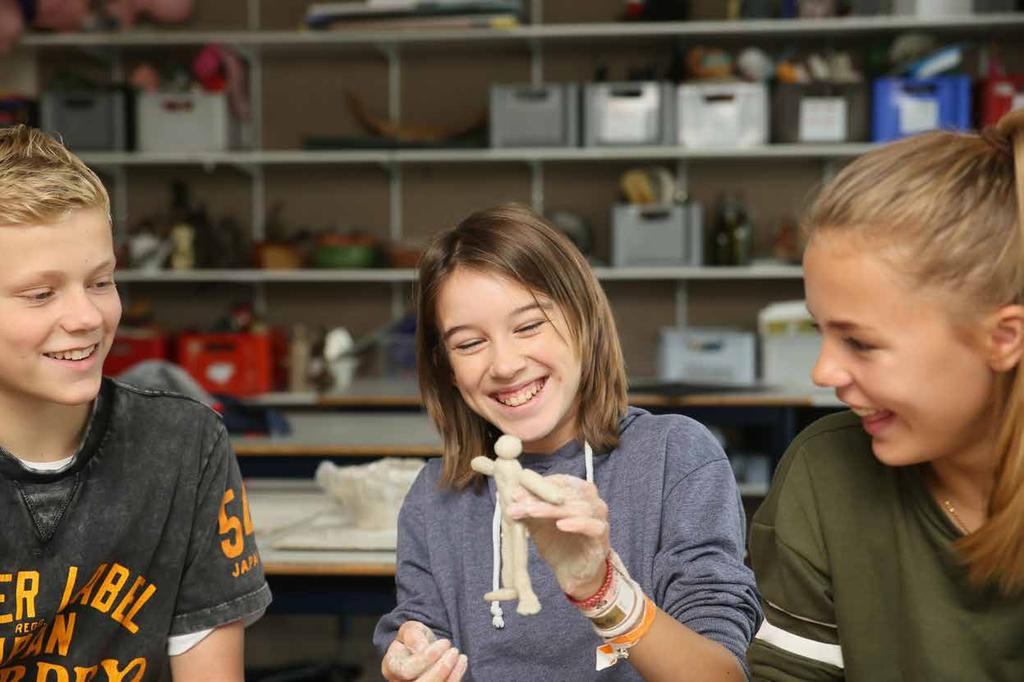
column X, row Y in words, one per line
column 1005, row 337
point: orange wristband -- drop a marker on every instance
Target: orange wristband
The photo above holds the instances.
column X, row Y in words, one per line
column 617, row 648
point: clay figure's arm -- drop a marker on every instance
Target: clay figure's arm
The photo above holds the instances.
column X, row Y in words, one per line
column 482, row 465
column 536, row 484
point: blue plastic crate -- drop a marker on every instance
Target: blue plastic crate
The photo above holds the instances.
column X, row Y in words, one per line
column 904, row 107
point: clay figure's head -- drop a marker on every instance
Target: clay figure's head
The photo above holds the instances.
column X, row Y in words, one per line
column 508, row 447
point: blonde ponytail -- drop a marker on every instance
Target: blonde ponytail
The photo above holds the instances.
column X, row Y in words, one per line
column 995, row 552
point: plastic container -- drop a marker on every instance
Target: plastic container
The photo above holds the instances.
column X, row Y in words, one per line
column 15, row 110
column 657, row 235
column 132, row 346
column 820, row 112
column 870, row 7
column 185, row 122
column 713, row 115
column 232, row 364
column 707, row 356
column 534, row 116
column 985, row 6
column 905, row 107
column 86, row 120
column 640, row 113
column 932, row 8
column 790, row 345
column 999, row 96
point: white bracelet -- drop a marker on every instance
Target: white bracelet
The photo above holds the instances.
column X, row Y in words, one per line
column 623, row 609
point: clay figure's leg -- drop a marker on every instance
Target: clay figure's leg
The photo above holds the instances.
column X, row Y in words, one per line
column 508, row 584
column 528, row 602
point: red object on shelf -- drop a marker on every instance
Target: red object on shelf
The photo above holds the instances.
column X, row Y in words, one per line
column 132, row 346
column 999, row 95
column 232, row 364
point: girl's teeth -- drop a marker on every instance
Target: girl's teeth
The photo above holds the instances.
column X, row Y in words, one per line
column 523, row 396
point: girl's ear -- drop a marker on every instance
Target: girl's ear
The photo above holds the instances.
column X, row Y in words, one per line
column 1005, row 337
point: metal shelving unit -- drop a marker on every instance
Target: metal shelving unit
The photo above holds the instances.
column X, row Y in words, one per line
column 257, row 44
column 529, row 34
column 402, row 275
column 248, row 159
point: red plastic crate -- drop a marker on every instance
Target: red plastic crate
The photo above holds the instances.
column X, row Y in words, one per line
column 998, row 96
column 232, row 364
column 132, row 346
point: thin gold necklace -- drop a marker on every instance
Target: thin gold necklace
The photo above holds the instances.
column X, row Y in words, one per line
column 957, row 521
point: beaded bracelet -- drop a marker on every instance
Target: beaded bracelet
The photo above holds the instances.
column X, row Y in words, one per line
column 594, row 601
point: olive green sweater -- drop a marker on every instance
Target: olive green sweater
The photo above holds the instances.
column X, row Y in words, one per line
column 858, row 578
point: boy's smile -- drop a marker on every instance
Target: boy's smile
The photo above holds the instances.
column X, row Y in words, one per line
column 59, row 309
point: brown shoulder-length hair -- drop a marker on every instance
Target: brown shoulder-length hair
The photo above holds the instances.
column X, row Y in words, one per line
column 948, row 209
column 513, row 242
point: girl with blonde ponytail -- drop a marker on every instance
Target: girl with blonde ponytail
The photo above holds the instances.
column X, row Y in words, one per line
column 891, row 546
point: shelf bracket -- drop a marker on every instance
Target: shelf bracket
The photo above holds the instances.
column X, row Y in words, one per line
column 682, row 180
column 682, row 304
column 537, row 186
column 394, row 201
column 536, row 11
column 829, row 170
column 259, row 301
column 536, row 63
column 253, row 14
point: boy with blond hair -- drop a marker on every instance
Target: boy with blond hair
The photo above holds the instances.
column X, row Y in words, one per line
column 126, row 545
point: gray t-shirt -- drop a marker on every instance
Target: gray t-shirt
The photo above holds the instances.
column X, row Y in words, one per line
column 145, row 536
column 676, row 520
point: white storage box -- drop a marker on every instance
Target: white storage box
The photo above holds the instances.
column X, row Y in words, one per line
column 722, row 114
column 706, row 355
column 789, row 344
column 534, row 116
column 657, row 235
column 640, row 113
column 932, row 8
column 185, row 122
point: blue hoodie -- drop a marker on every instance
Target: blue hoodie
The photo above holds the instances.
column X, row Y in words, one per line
column 676, row 520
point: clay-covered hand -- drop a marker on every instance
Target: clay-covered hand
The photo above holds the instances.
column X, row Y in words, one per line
column 572, row 537
column 416, row 654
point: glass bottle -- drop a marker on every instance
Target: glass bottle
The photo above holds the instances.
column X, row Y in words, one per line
column 741, row 236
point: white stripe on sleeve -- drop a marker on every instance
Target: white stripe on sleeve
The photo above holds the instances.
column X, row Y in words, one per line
column 801, row 646
column 179, row 644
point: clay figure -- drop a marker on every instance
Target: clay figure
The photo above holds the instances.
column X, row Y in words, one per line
column 508, row 475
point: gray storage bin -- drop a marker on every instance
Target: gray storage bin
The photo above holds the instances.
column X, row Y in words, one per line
column 85, row 120
column 657, row 235
column 707, row 355
column 870, row 7
column 628, row 113
column 983, row 6
column 820, row 112
column 535, row 116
